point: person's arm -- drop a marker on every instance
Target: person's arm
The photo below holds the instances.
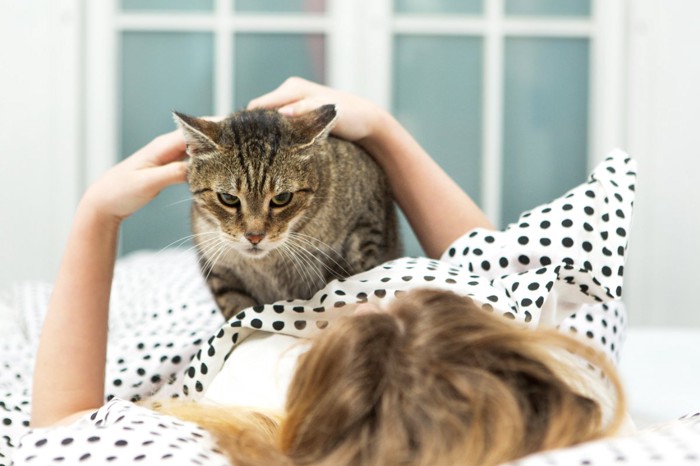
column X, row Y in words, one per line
column 70, row 365
column 438, row 210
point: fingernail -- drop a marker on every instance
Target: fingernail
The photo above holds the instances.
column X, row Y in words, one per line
column 288, row 110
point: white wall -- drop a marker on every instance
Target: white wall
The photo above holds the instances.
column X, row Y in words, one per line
column 664, row 135
column 39, row 159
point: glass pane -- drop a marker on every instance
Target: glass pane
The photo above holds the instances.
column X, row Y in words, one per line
column 281, row 6
column 549, row 7
column 263, row 61
column 545, row 121
column 162, row 72
column 438, row 6
column 437, row 96
column 170, row 5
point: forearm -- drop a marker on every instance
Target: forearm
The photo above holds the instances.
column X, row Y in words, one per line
column 70, row 364
column 438, row 210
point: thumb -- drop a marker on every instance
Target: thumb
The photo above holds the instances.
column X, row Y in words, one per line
column 158, row 178
column 300, row 107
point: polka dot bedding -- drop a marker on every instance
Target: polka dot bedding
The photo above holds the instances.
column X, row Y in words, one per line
column 122, row 433
column 161, row 312
column 560, row 265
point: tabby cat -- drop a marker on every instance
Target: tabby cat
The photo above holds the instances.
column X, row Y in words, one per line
column 280, row 208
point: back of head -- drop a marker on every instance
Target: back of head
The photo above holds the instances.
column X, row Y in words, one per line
column 437, row 380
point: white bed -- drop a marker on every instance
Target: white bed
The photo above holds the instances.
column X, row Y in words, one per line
column 161, row 307
column 659, row 367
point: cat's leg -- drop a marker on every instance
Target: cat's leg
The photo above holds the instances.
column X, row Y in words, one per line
column 375, row 237
column 364, row 248
column 228, row 292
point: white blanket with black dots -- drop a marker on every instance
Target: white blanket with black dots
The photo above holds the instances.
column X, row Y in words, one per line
column 560, row 265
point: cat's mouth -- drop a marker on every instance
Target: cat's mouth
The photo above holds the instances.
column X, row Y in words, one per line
column 255, row 251
column 246, row 248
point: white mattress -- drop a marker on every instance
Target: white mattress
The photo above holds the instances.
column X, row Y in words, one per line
column 659, row 366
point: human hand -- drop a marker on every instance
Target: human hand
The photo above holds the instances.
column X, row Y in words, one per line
column 138, row 179
column 358, row 118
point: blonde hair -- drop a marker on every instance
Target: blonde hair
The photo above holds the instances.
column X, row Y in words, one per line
column 434, row 380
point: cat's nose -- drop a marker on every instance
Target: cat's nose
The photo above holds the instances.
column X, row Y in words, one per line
column 254, row 237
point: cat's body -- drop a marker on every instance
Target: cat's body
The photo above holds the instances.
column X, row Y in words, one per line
column 280, row 209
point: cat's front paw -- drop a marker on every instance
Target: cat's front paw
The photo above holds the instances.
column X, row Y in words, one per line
column 231, row 302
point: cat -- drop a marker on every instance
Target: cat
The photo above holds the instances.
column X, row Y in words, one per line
column 280, row 207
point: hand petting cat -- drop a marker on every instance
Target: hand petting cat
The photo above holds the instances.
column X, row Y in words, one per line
column 134, row 182
column 357, row 117
column 438, row 210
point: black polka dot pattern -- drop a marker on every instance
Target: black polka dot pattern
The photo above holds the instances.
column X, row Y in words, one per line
column 161, row 312
column 514, row 273
column 561, row 264
column 123, row 434
column 582, row 238
column 165, row 328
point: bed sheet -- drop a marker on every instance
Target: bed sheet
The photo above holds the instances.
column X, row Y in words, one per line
column 672, row 443
column 159, row 300
column 166, row 319
column 658, row 368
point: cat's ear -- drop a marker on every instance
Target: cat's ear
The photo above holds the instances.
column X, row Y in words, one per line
column 200, row 134
column 314, row 126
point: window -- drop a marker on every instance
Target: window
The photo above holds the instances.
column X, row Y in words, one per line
column 509, row 96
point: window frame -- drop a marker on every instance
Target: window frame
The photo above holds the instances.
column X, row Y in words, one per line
column 359, row 55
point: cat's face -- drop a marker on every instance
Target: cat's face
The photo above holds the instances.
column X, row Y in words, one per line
column 253, row 213
column 252, row 177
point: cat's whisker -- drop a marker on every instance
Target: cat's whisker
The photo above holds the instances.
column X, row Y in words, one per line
column 286, row 252
column 209, row 248
column 184, row 239
column 306, row 239
column 175, row 245
column 312, row 238
column 203, row 244
column 224, row 249
column 308, row 269
column 310, row 260
column 331, row 255
column 308, row 257
column 314, row 278
column 210, row 264
column 178, row 202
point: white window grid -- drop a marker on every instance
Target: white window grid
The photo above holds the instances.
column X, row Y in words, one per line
column 359, row 38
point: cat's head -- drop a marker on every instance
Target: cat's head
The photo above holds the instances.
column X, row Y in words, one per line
column 252, row 175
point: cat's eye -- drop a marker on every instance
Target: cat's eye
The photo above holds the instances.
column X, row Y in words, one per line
column 229, row 200
column 281, row 200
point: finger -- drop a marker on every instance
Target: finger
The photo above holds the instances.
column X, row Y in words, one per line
column 291, row 90
column 215, row 119
column 300, row 107
column 158, row 178
column 274, row 99
column 162, row 150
